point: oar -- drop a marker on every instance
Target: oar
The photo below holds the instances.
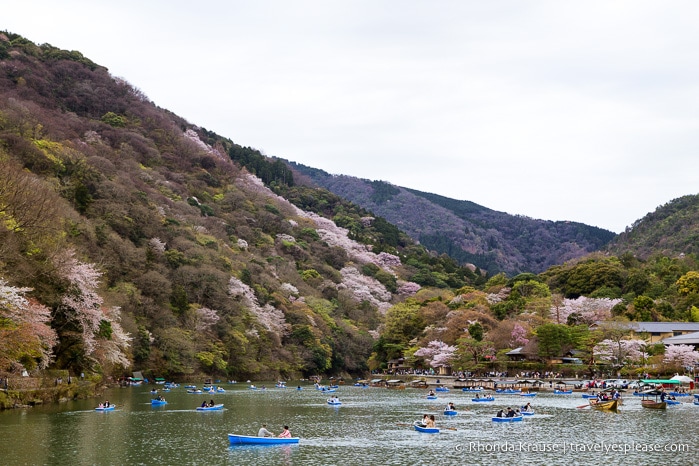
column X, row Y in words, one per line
column 448, row 428
column 584, row 406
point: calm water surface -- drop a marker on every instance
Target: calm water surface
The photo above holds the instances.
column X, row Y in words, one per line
column 371, row 427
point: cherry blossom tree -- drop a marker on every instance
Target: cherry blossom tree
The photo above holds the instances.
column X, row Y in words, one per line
column 437, row 353
column 205, row 318
column 26, row 337
column 620, row 352
column 270, row 317
column 583, row 310
column 518, row 336
column 102, row 335
column 681, row 355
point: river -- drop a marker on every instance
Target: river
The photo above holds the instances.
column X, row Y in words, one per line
column 370, row 427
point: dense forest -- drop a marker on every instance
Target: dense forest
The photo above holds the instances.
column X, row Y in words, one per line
column 133, row 239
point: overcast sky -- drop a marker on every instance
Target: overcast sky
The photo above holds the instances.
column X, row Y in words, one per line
column 559, row 110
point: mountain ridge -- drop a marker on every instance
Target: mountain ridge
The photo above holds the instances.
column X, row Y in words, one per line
column 492, row 240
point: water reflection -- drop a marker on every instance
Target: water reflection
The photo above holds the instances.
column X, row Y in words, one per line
column 372, row 426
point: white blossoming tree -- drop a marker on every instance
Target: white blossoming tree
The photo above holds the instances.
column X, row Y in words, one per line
column 103, row 339
column 26, row 338
column 437, row 353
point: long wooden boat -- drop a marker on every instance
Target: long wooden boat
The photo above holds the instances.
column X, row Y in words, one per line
column 426, row 430
column 609, row 405
column 653, row 404
column 235, row 439
column 210, row 408
column 508, row 419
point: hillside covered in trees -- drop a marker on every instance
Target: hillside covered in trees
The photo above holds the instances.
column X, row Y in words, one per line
column 133, row 239
column 494, row 241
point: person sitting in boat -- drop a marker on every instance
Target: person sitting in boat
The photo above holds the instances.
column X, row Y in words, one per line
column 527, row 407
column 478, row 395
column 285, row 433
column 662, row 396
column 100, row 406
column 211, row 403
column 451, row 407
column 106, row 404
column 263, row 432
column 425, row 420
column 500, row 413
column 430, row 424
column 510, row 412
column 203, row 404
column 431, row 393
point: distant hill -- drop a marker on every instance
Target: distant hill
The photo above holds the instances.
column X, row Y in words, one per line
column 670, row 230
column 494, row 241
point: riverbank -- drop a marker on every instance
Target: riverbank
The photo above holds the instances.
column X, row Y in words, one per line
column 28, row 391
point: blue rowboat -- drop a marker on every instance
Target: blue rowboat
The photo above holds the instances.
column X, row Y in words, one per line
column 508, row 419
column 334, row 403
column 450, row 412
column 194, row 392
column 588, row 395
column 484, row 399
column 158, row 402
column 472, row 390
column 508, row 391
column 441, row 389
column 220, row 390
column 328, row 390
column 696, row 403
column 190, row 386
column 426, row 430
column 528, row 394
column 676, row 394
column 210, row 408
column 431, row 397
column 563, row 392
column 672, row 402
column 108, row 408
column 251, row 440
column 527, row 413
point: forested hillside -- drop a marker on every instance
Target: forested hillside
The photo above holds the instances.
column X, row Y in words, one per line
column 494, row 241
column 672, row 229
column 133, row 239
